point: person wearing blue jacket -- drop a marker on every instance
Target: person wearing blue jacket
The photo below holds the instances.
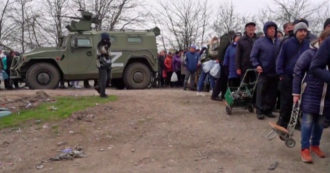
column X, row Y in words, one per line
column 263, row 58
column 229, row 62
column 315, row 101
column 318, row 69
column 286, row 60
column 191, row 63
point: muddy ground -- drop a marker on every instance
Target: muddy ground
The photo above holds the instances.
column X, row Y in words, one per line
column 159, row 130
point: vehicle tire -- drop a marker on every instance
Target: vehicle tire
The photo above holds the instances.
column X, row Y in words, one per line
column 137, row 76
column 42, row 76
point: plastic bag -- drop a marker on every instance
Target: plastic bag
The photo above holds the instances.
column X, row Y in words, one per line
column 207, row 66
column 174, row 77
column 3, row 75
column 215, row 71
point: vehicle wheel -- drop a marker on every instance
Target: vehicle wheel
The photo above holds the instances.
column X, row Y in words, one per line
column 137, row 76
column 290, row 143
column 228, row 110
column 250, row 108
column 42, row 76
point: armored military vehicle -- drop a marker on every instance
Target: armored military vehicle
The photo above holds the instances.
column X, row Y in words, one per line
column 134, row 58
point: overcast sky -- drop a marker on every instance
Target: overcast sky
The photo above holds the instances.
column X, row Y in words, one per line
column 249, row 7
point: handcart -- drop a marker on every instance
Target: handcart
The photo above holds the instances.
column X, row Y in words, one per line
column 286, row 134
column 242, row 96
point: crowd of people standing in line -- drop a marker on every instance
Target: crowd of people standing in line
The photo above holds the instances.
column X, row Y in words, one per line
column 293, row 70
column 6, row 59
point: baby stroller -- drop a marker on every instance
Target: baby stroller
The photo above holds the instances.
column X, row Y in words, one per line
column 242, row 96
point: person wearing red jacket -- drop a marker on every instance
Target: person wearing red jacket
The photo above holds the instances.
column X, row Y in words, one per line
column 168, row 68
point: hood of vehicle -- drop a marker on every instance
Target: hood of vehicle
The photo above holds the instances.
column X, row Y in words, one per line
column 44, row 52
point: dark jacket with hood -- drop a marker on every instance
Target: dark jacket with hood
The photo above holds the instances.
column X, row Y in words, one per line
column 229, row 61
column 321, row 60
column 289, row 54
column 315, row 98
column 243, row 51
column 265, row 50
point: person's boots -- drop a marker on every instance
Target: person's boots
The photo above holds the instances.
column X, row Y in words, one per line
column 306, row 156
column 97, row 88
column 326, row 123
column 317, row 151
column 281, row 122
column 86, row 84
column 260, row 116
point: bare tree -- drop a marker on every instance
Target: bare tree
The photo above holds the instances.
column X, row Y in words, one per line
column 227, row 19
column 113, row 14
column 56, row 9
column 18, row 16
column 3, row 13
column 185, row 20
column 288, row 10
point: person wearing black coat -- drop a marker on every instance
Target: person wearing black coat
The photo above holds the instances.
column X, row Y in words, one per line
column 318, row 68
column 243, row 51
column 244, row 47
column 103, row 63
column 161, row 67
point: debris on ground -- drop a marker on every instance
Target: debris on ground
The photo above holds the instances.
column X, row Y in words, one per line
column 52, row 108
column 273, row 166
column 39, row 166
column 69, row 154
column 61, row 143
column 5, row 144
column 4, row 112
column 85, row 116
column 16, row 104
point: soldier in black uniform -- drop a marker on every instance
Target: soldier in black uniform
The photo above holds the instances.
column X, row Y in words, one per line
column 103, row 63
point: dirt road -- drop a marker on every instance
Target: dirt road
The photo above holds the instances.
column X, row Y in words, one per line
column 153, row 131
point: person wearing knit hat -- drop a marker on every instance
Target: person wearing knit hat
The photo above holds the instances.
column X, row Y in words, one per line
column 300, row 26
column 327, row 24
column 285, row 63
column 310, row 36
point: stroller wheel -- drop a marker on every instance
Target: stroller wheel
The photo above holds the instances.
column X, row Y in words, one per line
column 290, row 143
column 228, row 110
column 250, row 108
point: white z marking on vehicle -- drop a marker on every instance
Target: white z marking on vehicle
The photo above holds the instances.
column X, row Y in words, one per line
column 115, row 56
